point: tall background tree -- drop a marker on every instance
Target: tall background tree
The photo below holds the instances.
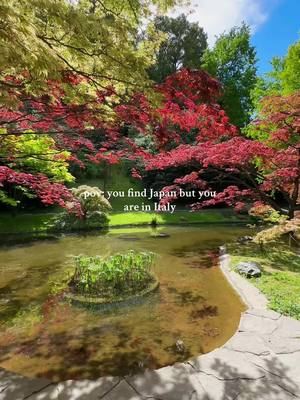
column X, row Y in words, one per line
column 232, row 61
column 184, row 45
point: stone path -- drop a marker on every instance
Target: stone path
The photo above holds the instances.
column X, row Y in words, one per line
column 260, row 362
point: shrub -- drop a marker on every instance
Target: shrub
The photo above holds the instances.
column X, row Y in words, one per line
column 117, row 275
column 291, row 227
column 94, row 206
column 91, row 199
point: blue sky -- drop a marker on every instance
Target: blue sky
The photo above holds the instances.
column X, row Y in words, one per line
column 281, row 28
column 275, row 24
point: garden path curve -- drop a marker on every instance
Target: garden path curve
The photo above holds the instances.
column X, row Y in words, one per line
column 260, row 362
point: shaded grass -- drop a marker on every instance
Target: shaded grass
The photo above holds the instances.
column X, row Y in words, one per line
column 272, row 257
column 280, row 280
column 23, row 223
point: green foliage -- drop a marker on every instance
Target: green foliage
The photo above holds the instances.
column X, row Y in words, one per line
column 233, row 62
column 184, row 45
column 69, row 222
column 96, row 39
column 36, row 154
column 116, row 275
column 290, row 75
column 267, row 85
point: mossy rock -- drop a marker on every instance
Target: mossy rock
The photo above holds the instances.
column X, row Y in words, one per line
column 105, row 303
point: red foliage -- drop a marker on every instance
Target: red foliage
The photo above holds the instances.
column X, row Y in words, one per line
column 187, row 129
column 191, row 131
column 49, row 193
column 77, row 128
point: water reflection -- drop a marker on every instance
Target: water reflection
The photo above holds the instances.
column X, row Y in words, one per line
column 194, row 311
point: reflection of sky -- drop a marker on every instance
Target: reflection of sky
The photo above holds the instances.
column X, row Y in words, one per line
column 275, row 23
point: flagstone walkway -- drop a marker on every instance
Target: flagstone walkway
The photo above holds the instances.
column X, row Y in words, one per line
column 260, row 362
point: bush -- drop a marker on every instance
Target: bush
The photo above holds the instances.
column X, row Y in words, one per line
column 117, row 275
column 94, row 206
column 91, row 199
column 285, row 228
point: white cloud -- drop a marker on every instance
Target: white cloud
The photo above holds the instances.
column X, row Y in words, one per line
column 217, row 16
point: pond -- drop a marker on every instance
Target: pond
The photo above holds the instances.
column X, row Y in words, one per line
column 194, row 311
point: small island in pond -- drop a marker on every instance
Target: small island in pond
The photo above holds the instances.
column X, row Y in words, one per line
column 116, row 279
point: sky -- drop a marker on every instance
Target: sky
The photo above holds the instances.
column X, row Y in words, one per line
column 275, row 24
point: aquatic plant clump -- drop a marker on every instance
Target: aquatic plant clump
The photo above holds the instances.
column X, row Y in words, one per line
column 118, row 275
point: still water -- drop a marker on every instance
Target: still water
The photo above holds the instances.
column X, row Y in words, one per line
column 194, row 311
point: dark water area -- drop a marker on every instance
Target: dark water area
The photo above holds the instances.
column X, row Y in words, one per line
column 194, row 311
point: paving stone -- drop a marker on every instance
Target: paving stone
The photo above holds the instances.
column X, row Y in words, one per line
column 264, row 313
column 288, row 328
column 169, row 383
column 249, row 293
column 17, row 387
column 277, row 345
column 247, row 342
column 282, row 369
column 86, row 389
column 242, row 389
column 227, row 364
column 122, row 392
column 51, row 392
column 257, row 324
column 77, row 390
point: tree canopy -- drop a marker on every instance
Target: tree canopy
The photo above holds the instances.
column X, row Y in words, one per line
column 184, row 45
column 97, row 40
column 232, row 61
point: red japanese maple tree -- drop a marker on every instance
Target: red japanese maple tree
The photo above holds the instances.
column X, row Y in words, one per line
column 186, row 127
column 83, row 131
column 191, row 130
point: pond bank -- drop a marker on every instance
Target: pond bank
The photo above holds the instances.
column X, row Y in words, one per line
column 260, row 362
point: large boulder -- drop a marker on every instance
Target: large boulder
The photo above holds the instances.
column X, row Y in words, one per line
column 249, row 268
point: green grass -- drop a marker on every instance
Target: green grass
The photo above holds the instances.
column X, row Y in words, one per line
column 280, row 280
column 178, row 217
column 283, row 292
column 31, row 223
column 279, row 257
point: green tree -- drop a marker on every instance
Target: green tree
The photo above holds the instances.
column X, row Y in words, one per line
column 94, row 39
column 290, row 75
column 184, row 45
column 233, row 62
